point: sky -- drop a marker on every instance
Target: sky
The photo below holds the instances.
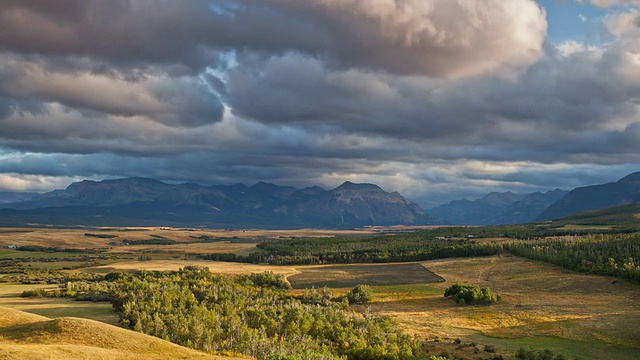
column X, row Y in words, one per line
column 438, row 100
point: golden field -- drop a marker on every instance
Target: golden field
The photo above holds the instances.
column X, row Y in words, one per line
column 542, row 306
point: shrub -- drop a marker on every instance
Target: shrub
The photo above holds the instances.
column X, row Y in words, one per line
column 360, row 294
column 471, row 294
column 531, row 354
column 270, row 279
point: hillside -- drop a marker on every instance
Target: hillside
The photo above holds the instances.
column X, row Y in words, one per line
column 624, row 191
column 27, row 336
column 148, row 202
column 11, row 197
column 620, row 216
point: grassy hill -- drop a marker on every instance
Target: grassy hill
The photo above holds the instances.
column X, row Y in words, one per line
column 623, row 216
column 29, row 336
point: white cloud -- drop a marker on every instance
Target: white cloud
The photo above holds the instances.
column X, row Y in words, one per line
column 34, row 183
column 571, row 47
column 624, row 23
column 610, row 3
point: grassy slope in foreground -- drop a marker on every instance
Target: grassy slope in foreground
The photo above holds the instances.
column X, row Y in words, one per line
column 29, row 336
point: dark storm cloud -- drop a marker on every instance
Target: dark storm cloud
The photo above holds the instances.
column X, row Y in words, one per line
column 563, row 106
column 435, row 99
column 176, row 101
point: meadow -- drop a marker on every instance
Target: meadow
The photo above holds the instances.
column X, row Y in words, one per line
column 542, row 306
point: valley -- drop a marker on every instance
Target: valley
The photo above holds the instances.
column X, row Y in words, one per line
column 542, row 306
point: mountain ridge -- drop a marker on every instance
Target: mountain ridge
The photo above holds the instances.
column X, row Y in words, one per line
column 624, row 191
column 263, row 204
column 497, row 208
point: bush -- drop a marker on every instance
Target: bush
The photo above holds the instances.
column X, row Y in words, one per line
column 531, row 354
column 270, row 279
column 471, row 294
column 360, row 294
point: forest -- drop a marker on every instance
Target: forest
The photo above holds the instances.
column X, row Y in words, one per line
column 345, row 250
column 601, row 254
column 424, row 245
column 249, row 315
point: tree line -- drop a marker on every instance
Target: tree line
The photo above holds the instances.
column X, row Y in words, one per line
column 601, row 254
column 378, row 249
column 410, row 246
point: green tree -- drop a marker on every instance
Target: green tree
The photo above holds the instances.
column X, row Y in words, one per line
column 360, row 294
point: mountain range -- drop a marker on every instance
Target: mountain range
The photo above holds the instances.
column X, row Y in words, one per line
column 147, row 202
column 497, row 208
column 623, row 191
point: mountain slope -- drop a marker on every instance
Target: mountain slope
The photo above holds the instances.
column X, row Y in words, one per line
column 146, row 202
column 9, row 197
column 627, row 215
column 527, row 209
column 28, row 336
column 497, row 208
column 624, row 191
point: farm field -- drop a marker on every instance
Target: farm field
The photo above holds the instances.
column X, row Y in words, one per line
column 542, row 307
column 343, row 276
column 76, row 238
column 215, row 267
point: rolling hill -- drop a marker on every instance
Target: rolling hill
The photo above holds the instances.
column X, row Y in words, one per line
column 26, row 336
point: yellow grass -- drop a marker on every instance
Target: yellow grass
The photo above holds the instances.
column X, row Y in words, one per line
column 52, row 308
column 187, row 248
column 28, row 336
column 74, row 238
column 217, row 267
column 538, row 300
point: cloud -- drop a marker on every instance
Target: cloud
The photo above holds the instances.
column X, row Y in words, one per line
column 566, row 99
column 435, row 99
column 610, row 3
column 625, row 23
column 452, row 38
column 176, row 101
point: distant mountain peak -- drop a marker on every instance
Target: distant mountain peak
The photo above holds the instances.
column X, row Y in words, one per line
column 348, row 185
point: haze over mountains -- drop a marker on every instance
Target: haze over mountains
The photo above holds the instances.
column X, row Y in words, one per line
column 497, row 208
column 148, row 202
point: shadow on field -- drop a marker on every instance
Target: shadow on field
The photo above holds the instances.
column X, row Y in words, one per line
column 341, row 276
